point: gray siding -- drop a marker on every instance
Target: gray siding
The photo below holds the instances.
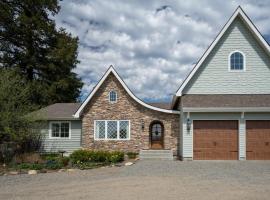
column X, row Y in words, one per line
column 66, row 144
column 213, row 76
column 187, row 136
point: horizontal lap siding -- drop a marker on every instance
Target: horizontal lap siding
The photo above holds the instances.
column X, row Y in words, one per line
column 213, row 76
column 68, row 145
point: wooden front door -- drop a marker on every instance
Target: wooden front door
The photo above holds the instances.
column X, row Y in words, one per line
column 156, row 135
column 258, row 140
column 215, row 140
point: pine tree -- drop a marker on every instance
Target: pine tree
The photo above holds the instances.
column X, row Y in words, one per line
column 43, row 55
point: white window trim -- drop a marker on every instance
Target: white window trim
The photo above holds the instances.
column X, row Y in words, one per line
column 59, row 138
column 115, row 95
column 118, row 131
column 244, row 62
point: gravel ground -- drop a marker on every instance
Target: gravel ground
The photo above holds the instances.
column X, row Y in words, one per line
column 147, row 180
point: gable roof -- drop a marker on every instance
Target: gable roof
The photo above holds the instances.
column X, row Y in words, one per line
column 109, row 71
column 58, row 111
column 238, row 13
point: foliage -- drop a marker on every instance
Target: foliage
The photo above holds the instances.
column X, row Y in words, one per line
column 43, row 55
column 30, row 166
column 116, row 157
column 19, row 133
column 89, row 165
column 54, row 164
column 50, row 156
column 87, row 156
column 132, row 155
column 64, row 161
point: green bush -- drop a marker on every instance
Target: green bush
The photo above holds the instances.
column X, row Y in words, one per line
column 80, row 156
column 132, row 155
column 116, row 157
column 54, row 164
column 89, row 165
column 64, row 161
column 30, row 166
column 50, row 156
column 85, row 156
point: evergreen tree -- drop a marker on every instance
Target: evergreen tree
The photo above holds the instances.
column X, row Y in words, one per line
column 43, row 55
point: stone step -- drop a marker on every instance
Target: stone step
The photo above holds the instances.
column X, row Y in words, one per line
column 156, row 154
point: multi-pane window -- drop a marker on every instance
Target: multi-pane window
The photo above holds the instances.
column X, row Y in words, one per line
column 112, row 129
column 236, row 61
column 112, row 96
column 60, row 129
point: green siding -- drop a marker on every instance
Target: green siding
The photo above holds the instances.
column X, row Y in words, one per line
column 66, row 144
column 213, row 77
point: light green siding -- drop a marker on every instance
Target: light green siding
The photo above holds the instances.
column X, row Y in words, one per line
column 213, row 77
column 66, row 144
column 187, row 136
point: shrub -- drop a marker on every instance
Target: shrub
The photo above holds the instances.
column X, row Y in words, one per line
column 80, row 156
column 54, row 164
column 64, row 161
column 132, row 155
column 89, row 165
column 116, row 157
column 85, row 156
column 50, row 156
column 30, row 166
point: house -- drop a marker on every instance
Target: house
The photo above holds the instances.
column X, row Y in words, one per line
column 220, row 112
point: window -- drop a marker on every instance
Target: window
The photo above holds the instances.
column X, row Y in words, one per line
column 60, row 129
column 113, row 96
column 236, row 61
column 112, row 130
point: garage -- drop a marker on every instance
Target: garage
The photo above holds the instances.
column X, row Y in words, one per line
column 258, row 140
column 215, row 140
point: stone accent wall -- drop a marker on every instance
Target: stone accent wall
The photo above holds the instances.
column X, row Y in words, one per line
column 126, row 108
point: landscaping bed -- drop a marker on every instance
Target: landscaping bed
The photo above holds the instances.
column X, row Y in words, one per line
column 55, row 162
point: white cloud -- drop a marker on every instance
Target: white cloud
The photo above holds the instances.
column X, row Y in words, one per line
column 152, row 44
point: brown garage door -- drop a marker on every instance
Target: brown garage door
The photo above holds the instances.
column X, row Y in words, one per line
column 215, row 140
column 258, row 140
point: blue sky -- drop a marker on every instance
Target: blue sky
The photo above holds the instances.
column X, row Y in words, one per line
column 152, row 44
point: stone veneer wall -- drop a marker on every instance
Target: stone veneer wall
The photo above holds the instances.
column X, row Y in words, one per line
column 126, row 108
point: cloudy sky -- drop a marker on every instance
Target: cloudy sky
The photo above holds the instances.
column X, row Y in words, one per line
column 152, row 44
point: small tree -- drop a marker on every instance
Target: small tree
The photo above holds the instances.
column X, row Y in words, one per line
column 17, row 127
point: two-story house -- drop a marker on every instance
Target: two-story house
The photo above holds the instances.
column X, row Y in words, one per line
column 220, row 112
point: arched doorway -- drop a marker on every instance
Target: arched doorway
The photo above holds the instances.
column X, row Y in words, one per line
column 156, row 135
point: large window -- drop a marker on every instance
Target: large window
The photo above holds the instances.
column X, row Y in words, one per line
column 112, row 130
column 60, row 129
column 236, row 61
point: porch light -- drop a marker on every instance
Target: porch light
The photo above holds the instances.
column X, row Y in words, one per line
column 142, row 124
column 188, row 124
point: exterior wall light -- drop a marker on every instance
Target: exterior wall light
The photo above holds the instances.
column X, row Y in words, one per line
column 188, row 124
column 142, row 124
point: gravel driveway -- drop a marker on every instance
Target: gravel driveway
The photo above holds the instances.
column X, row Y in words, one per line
column 147, row 180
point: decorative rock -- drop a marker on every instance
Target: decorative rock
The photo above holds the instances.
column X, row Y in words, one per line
column 128, row 163
column 70, row 170
column 32, row 172
column 13, row 173
column 61, row 170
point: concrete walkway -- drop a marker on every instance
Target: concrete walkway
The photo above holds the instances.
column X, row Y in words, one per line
column 147, row 180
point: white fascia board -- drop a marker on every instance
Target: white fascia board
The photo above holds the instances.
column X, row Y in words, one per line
column 250, row 25
column 112, row 70
column 226, row 109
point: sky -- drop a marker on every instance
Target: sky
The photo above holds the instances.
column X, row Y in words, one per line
column 152, row 44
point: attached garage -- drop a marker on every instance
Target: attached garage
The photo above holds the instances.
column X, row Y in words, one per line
column 215, row 140
column 258, row 139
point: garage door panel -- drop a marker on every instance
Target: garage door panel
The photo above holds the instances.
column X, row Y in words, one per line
column 258, row 139
column 215, row 140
